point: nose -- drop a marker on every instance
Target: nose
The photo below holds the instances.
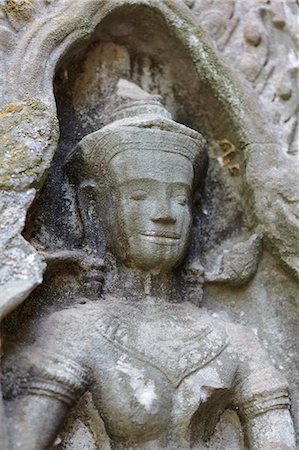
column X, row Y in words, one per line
column 162, row 211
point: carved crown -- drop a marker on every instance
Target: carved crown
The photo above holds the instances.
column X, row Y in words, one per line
column 139, row 121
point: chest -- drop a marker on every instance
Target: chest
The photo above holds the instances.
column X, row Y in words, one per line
column 155, row 374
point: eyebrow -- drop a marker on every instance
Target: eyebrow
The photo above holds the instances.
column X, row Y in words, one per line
column 151, row 181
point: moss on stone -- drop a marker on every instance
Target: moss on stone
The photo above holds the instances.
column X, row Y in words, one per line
column 20, row 9
column 15, row 161
column 11, row 108
column 28, row 136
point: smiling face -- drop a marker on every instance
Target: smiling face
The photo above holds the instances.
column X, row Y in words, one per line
column 154, row 189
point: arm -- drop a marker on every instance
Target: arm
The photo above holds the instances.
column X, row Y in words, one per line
column 42, row 383
column 272, row 430
column 34, row 421
column 262, row 398
column 264, row 406
column 46, row 389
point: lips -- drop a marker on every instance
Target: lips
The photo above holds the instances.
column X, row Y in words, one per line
column 162, row 234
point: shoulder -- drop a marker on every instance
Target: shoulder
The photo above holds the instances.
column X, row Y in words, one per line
column 253, row 360
column 259, row 386
column 246, row 346
column 76, row 319
column 59, row 349
column 249, row 353
column 54, row 363
column 67, row 332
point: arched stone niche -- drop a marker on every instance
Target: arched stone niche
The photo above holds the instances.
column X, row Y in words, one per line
column 159, row 46
column 31, row 67
column 137, row 45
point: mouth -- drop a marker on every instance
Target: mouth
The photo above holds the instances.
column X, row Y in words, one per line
column 162, row 234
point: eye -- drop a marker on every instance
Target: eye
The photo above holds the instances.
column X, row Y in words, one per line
column 181, row 200
column 138, row 195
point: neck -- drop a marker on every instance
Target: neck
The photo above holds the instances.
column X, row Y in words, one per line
column 134, row 284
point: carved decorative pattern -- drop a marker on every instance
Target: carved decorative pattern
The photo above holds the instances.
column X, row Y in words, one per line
column 260, row 40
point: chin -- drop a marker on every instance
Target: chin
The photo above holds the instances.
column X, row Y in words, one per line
column 155, row 261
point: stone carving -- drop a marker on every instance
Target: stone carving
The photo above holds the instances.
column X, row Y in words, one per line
column 61, row 60
column 28, row 45
column 160, row 370
column 263, row 35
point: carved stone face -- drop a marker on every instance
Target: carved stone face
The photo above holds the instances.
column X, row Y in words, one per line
column 154, row 189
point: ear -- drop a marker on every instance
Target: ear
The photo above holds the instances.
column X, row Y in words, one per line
column 88, row 202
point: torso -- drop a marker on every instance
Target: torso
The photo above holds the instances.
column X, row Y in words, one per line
column 155, row 366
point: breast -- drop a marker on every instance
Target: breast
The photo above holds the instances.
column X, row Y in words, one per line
column 150, row 379
column 133, row 398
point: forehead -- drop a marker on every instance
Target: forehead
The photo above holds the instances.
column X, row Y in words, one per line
column 151, row 164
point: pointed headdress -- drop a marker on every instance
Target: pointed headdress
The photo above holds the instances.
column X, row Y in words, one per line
column 139, row 122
